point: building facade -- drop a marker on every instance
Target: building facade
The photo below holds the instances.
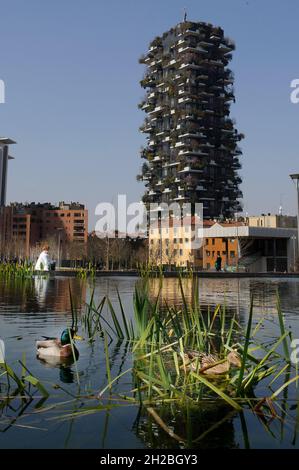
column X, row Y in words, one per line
column 23, row 226
column 272, row 221
column 170, row 243
column 241, row 247
column 192, row 153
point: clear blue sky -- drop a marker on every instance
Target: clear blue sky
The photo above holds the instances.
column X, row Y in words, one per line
column 72, row 87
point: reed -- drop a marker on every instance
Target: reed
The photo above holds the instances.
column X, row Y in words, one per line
column 19, row 270
column 159, row 335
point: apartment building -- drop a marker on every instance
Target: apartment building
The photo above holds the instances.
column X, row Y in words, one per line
column 23, row 226
column 192, row 153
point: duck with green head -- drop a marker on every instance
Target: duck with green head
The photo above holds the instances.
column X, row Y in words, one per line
column 55, row 347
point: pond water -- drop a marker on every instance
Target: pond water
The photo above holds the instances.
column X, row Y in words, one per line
column 41, row 307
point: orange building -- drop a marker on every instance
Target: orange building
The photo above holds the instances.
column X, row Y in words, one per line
column 226, row 248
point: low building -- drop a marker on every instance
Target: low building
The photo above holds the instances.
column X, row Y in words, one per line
column 256, row 249
column 224, row 247
column 24, row 226
column 272, row 221
column 241, row 246
column 171, row 243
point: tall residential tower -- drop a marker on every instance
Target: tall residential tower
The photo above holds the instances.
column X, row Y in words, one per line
column 192, row 154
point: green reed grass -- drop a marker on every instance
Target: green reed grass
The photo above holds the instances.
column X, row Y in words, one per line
column 159, row 334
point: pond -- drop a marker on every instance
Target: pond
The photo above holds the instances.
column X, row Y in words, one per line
column 32, row 308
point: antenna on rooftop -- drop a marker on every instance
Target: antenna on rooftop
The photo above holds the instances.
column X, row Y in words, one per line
column 185, row 14
column 280, row 205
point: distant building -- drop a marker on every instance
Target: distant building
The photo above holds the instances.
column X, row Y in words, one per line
column 29, row 224
column 241, row 246
column 225, row 247
column 170, row 243
column 4, row 157
column 272, row 220
column 252, row 248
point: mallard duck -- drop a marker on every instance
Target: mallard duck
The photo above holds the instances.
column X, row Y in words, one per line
column 210, row 363
column 60, row 348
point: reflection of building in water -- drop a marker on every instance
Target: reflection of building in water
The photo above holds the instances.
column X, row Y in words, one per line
column 43, row 294
column 188, row 424
column 211, row 292
column 235, row 293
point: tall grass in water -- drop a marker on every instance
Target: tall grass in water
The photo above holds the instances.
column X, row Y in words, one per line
column 160, row 334
column 16, row 270
column 157, row 336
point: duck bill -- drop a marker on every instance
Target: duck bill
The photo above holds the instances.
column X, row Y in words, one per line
column 77, row 337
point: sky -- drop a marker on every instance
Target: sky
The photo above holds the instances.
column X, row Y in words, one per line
column 71, row 75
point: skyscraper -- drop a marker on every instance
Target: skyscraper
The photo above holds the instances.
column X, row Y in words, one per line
column 4, row 157
column 192, row 153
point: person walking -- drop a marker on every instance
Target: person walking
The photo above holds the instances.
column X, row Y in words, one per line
column 218, row 263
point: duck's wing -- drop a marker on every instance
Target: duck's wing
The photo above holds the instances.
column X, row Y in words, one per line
column 208, row 359
column 49, row 343
column 50, row 351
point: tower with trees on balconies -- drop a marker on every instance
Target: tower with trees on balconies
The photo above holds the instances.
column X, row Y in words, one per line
column 192, row 152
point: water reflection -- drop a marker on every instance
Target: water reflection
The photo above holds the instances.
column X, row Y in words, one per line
column 66, row 373
column 40, row 294
column 193, row 426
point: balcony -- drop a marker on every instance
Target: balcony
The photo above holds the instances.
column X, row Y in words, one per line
column 156, row 110
column 180, row 144
column 191, row 135
column 206, row 43
column 216, row 62
column 179, row 198
column 225, row 49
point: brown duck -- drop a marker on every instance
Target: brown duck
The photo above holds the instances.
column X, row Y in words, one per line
column 210, row 363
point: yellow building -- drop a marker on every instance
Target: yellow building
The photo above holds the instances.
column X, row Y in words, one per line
column 171, row 243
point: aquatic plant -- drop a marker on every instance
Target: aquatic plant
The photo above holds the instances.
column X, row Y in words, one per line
column 16, row 270
column 160, row 334
column 85, row 272
column 156, row 337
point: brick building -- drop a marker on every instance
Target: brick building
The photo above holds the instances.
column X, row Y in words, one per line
column 24, row 226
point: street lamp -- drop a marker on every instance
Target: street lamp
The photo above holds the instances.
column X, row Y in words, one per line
column 59, row 230
column 237, row 236
column 295, row 178
column 293, row 237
